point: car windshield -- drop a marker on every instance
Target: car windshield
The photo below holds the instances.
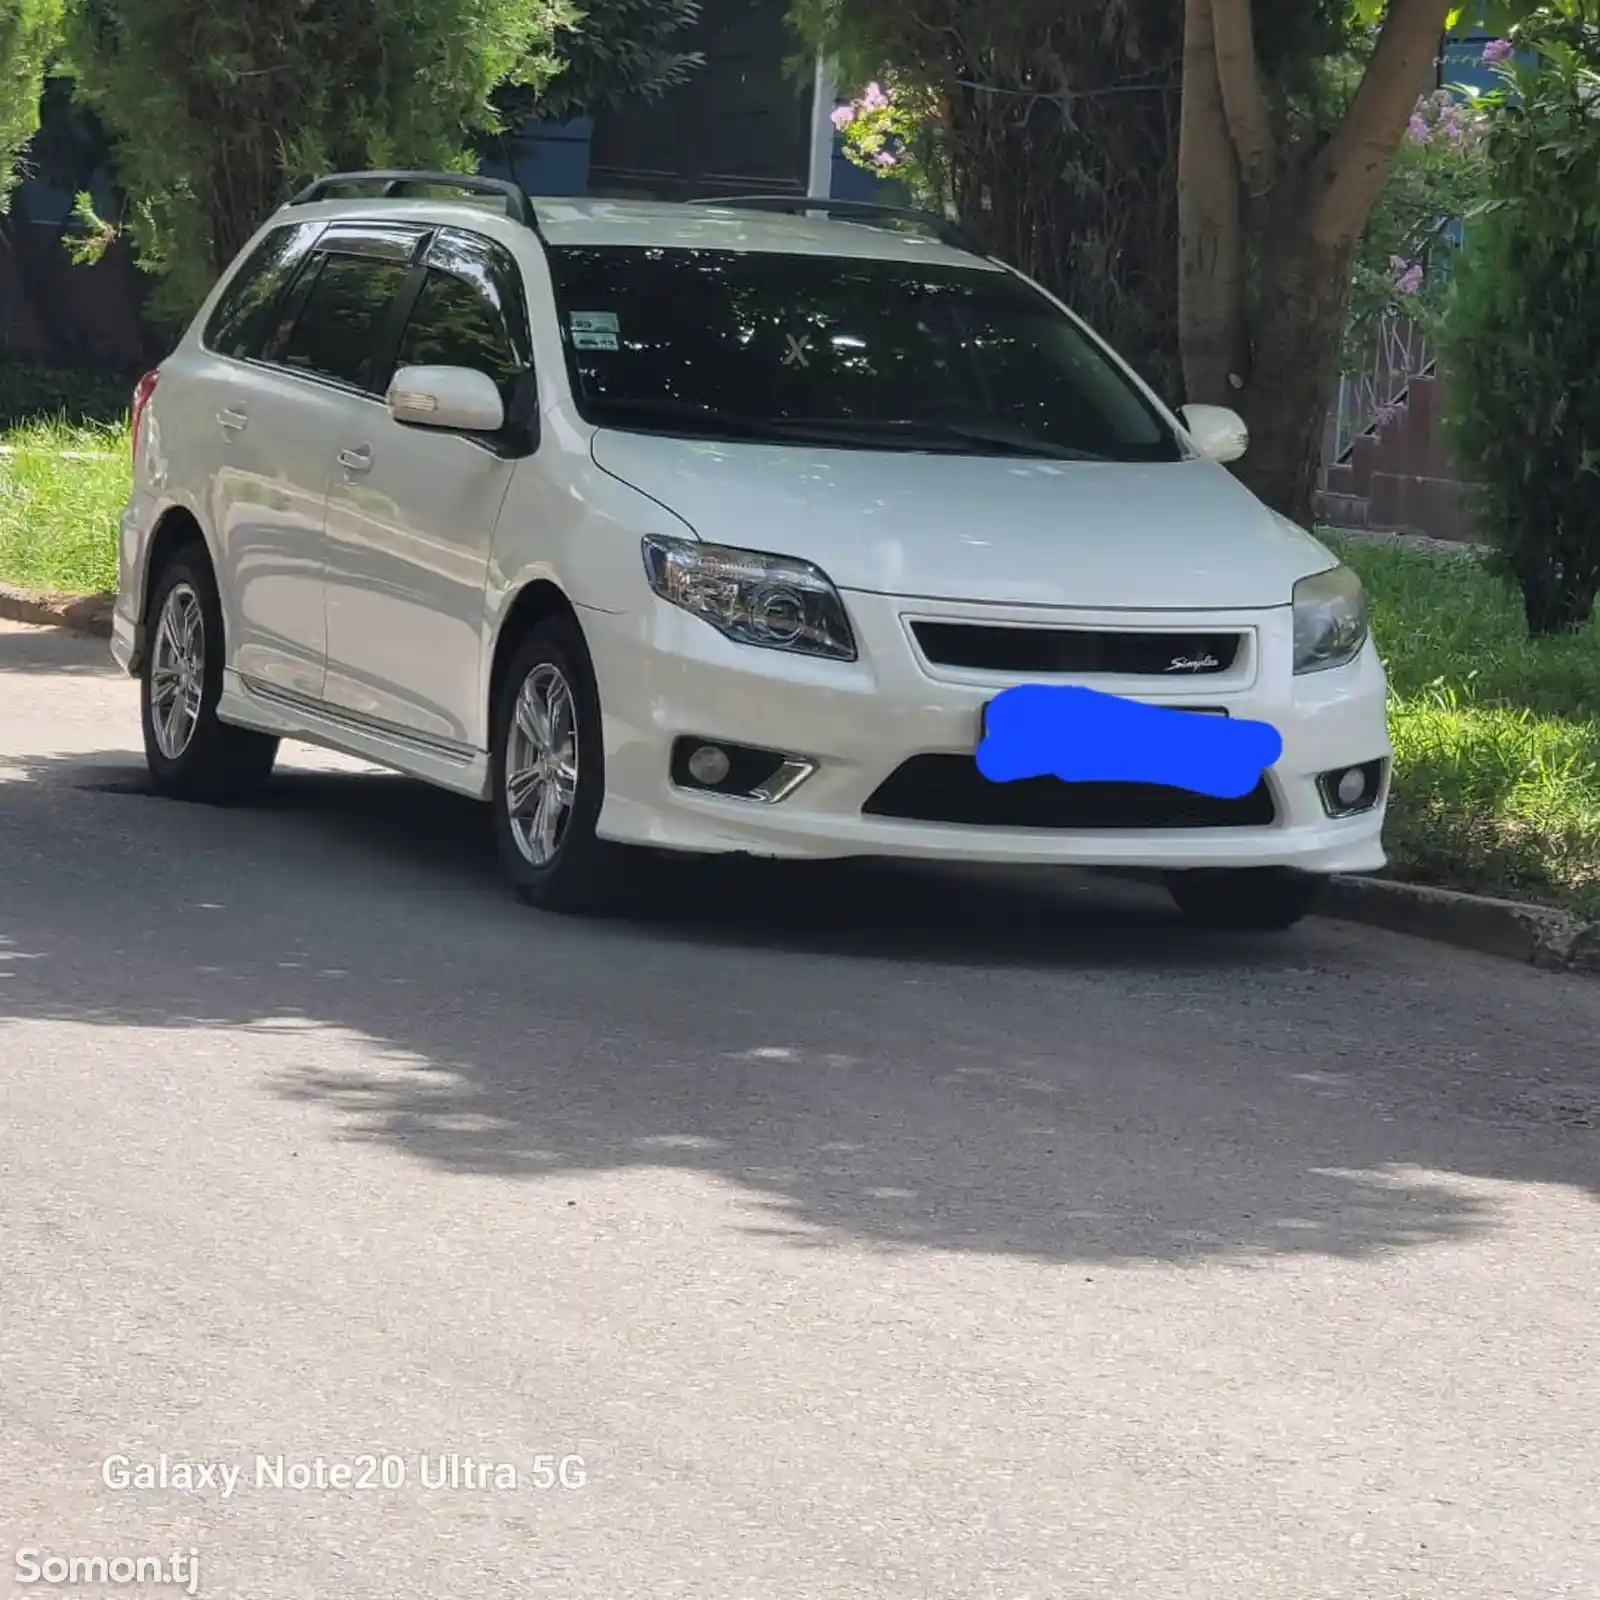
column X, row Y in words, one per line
column 843, row 352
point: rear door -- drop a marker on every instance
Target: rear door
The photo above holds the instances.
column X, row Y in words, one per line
column 223, row 434
column 302, row 381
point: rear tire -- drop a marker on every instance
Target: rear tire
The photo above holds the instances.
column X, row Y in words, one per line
column 190, row 753
column 548, row 777
column 1260, row 899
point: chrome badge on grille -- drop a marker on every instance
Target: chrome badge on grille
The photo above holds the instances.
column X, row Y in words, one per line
column 1205, row 663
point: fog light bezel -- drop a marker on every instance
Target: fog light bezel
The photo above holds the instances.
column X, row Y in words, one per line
column 1376, row 774
column 756, row 775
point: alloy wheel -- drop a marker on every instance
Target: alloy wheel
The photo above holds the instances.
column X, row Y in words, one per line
column 541, row 768
column 177, row 671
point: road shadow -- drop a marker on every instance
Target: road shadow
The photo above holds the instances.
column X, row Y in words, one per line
column 1036, row 1067
column 27, row 651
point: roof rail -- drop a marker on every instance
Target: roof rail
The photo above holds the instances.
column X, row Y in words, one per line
column 394, row 184
column 941, row 228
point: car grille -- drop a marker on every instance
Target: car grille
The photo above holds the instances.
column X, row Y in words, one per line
column 951, row 789
column 1077, row 650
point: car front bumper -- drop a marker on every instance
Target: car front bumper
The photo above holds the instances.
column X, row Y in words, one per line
column 664, row 675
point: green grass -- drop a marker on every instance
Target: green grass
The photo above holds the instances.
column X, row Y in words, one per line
column 1497, row 736
column 58, row 515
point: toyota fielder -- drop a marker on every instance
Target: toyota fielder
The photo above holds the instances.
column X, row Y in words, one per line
column 720, row 528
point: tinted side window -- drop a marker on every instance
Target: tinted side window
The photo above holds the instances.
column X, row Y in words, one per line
column 453, row 325
column 337, row 331
column 243, row 316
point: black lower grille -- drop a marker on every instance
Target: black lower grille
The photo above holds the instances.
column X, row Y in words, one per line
column 1077, row 650
column 951, row 789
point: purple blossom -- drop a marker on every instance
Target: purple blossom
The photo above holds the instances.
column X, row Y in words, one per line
column 1420, row 131
column 1407, row 274
column 843, row 116
column 886, row 158
column 874, row 99
column 1497, row 50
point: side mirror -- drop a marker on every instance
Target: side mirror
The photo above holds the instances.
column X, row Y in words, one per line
column 456, row 398
column 1217, row 432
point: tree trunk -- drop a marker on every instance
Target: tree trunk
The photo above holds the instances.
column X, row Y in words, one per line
column 1555, row 602
column 1296, row 372
column 1304, row 212
column 1211, row 319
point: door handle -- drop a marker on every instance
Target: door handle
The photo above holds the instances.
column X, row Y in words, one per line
column 231, row 421
column 356, row 460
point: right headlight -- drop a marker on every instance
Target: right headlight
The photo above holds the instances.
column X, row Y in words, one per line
column 1330, row 620
column 776, row 602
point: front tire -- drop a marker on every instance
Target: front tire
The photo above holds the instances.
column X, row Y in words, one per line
column 190, row 753
column 1258, row 899
column 548, row 776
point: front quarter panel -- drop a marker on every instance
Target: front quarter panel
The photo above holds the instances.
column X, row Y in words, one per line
column 566, row 521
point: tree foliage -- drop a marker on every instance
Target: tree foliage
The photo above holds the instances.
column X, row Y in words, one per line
column 613, row 53
column 1522, row 328
column 220, row 110
column 30, row 31
column 1403, row 263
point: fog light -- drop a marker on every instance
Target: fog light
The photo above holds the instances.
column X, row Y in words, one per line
column 737, row 771
column 1351, row 786
column 1346, row 791
column 709, row 765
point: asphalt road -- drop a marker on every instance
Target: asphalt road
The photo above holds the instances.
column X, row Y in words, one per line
column 902, row 1235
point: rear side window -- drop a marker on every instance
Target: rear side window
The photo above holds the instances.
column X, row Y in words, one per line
column 244, row 315
column 337, row 331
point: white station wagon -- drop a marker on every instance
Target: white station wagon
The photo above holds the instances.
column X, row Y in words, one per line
column 715, row 528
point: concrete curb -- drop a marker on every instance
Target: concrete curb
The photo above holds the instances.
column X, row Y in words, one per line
column 1538, row 936
column 81, row 613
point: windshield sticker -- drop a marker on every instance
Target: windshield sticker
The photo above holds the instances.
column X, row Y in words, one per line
column 799, row 352
column 594, row 330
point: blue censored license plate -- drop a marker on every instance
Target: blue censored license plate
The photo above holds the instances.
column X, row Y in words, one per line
column 1199, row 711
column 1086, row 736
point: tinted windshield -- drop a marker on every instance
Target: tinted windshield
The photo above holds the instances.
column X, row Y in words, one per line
column 840, row 351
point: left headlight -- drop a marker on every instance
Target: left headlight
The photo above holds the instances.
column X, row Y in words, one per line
column 1330, row 620
column 752, row 598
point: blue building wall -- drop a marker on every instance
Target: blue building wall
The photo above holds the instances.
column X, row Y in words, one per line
column 553, row 159
column 544, row 158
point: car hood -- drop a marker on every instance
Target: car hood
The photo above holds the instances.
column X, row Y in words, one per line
column 1180, row 536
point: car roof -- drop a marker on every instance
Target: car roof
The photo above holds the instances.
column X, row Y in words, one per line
column 674, row 225
column 664, row 223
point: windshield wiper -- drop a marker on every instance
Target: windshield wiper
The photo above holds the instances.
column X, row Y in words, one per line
column 1013, row 441
column 706, row 419
column 846, row 431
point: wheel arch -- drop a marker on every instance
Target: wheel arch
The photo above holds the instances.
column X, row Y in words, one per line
column 177, row 528
column 536, row 601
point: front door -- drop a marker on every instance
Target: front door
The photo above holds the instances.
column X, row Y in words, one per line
column 412, row 514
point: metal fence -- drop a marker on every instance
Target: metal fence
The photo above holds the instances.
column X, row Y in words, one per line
column 1396, row 352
